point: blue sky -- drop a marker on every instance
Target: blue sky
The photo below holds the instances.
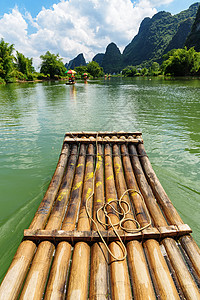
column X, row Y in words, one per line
column 70, row 27
column 35, row 6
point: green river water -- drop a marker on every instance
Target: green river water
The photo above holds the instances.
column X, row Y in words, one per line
column 34, row 118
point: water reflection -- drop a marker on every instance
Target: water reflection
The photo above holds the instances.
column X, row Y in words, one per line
column 72, row 92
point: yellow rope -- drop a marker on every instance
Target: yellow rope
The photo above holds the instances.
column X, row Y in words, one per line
column 123, row 213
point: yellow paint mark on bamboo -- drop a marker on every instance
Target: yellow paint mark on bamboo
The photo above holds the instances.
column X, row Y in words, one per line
column 110, row 199
column 118, row 168
column 77, row 186
column 99, row 200
column 110, row 177
column 99, row 157
column 89, row 176
column 99, row 163
column 89, row 193
column 98, row 183
column 107, row 164
column 62, row 195
column 79, row 165
column 134, row 193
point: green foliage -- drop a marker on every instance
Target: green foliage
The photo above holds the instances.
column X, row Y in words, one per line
column 2, row 81
column 81, row 69
column 154, row 36
column 193, row 39
column 154, row 70
column 94, row 69
column 19, row 75
column 52, row 64
column 181, row 62
column 6, row 60
column 130, row 71
column 112, row 59
column 21, row 68
column 24, row 64
column 144, row 72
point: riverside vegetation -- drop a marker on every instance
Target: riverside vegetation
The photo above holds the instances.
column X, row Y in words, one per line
column 17, row 68
column 177, row 62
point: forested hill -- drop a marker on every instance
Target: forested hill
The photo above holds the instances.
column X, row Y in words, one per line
column 112, row 60
column 79, row 60
column 193, row 39
column 156, row 36
column 162, row 31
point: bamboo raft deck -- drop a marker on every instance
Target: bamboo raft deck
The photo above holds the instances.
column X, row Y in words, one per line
column 62, row 255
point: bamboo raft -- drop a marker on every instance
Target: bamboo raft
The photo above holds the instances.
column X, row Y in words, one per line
column 63, row 256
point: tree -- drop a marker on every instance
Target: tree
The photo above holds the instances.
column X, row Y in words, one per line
column 81, row 69
column 181, row 62
column 129, row 71
column 144, row 71
column 52, row 64
column 23, row 64
column 94, row 69
column 6, row 60
column 154, row 70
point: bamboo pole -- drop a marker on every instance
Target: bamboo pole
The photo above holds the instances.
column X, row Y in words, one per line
column 183, row 275
column 44, row 210
column 120, row 283
column 193, row 251
column 161, row 276
column 79, row 274
column 141, row 281
column 37, row 276
column 14, row 278
column 141, row 183
column 187, row 242
column 159, row 271
column 161, row 196
column 56, row 287
column 185, row 279
column 99, row 289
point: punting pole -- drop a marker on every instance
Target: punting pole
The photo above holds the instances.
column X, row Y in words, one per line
column 56, row 287
column 140, row 277
column 79, row 273
column 187, row 242
column 120, row 283
column 184, row 277
column 37, row 276
column 14, row 278
column 99, row 288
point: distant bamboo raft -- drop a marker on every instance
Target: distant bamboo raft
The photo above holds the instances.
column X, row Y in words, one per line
column 63, row 256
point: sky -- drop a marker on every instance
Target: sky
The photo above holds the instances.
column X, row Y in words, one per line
column 70, row 27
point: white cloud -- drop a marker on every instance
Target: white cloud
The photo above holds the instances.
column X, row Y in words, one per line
column 71, row 27
column 13, row 26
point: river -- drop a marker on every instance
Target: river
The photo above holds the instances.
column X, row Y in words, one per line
column 35, row 116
